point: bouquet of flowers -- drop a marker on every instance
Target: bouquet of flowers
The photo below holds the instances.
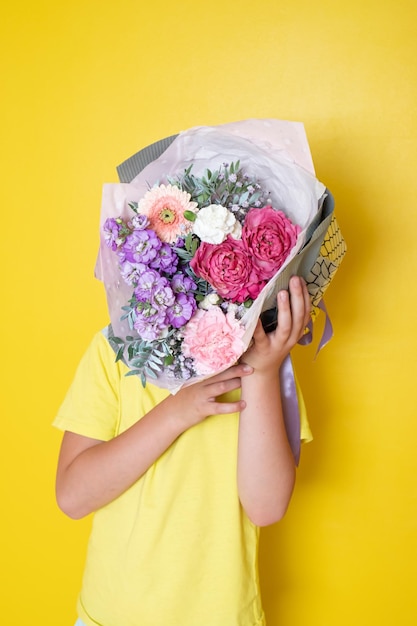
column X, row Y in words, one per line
column 193, row 248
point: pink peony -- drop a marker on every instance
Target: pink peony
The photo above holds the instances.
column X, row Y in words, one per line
column 228, row 268
column 213, row 340
column 268, row 236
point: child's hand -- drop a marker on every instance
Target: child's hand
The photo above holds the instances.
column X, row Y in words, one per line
column 268, row 350
column 200, row 400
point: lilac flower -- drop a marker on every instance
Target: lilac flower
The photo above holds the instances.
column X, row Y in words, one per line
column 182, row 311
column 147, row 284
column 180, row 243
column 181, row 283
column 139, row 221
column 131, row 272
column 150, row 323
column 112, row 230
column 163, row 296
column 141, row 246
column 166, row 261
column 233, row 178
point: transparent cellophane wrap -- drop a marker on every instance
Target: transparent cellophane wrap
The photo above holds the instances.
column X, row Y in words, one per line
column 274, row 152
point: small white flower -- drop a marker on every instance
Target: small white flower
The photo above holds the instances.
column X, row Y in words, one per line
column 212, row 299
column 233, row 308
column 214, row 222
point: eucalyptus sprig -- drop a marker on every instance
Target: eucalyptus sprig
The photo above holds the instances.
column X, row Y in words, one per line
column 227, row 185
column 146, row 358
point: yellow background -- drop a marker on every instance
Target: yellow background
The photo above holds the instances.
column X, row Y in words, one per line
column 85, row 84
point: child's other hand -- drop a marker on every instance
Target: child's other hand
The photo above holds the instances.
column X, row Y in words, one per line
column 200, row 400
column 268, row 350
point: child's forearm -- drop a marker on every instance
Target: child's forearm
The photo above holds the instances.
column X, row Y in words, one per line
column 266, row 470
column 92, row 473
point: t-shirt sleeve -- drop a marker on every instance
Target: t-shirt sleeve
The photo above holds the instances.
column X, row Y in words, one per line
column 91, row 406
column 305, row 432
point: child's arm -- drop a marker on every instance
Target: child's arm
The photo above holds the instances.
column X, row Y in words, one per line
column 266, row 471
column 92, row 473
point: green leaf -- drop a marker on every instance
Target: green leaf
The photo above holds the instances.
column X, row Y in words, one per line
column 155, row 360
column 133, row 373
column 119, row 354
column 133, row 206
column 188, row 242
column 190, row 216
column 194, row 246
column 116, row 340
column 159, row 352
column 149, row 372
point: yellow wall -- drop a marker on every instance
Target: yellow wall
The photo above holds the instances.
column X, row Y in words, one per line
column 86, row 83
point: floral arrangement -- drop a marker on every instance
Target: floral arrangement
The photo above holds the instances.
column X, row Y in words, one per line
column 196, row 252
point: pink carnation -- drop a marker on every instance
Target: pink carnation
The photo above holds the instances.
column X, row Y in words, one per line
column 269, row 237
column 213, row 339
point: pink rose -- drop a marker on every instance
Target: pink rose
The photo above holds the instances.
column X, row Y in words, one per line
column 213, row 340
column 228, row 268
column 269, row 236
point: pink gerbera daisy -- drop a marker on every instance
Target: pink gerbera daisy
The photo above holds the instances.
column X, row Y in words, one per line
column 164, row 206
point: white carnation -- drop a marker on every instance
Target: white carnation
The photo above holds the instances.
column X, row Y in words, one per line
column 214, row 222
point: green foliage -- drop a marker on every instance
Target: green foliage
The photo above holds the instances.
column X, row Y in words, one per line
column 146, row 359
column 227, row 186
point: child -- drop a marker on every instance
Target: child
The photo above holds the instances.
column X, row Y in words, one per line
column 179, row 484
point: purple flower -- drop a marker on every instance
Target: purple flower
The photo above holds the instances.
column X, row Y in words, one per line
column 141, row 246
column 181, row 283
column 139, row 221
column 150, row 323
column 180, row 243
column 112, row 229
column 162, row 295
column 147, row 284
column 182, row 311
column 131, row 272
column 166, row 261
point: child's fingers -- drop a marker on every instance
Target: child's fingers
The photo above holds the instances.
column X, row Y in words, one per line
column 216, row 389
column 235, row 371
column 223, row 408
column 225, row 381
column 298, row 305
column 293, row 310
column 284, row 315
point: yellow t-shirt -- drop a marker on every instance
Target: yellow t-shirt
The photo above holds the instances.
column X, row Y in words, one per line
column 176, row 549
